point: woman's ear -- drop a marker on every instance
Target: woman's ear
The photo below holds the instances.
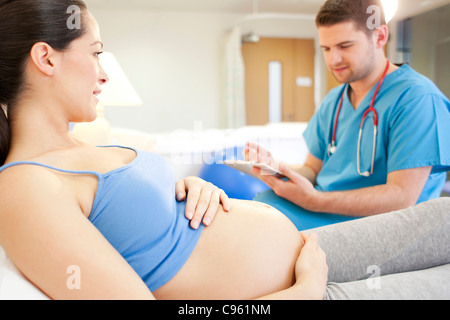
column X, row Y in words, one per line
column 43, row 57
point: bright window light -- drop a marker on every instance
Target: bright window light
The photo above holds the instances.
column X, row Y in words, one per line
column 275, row 91
column 390, row 8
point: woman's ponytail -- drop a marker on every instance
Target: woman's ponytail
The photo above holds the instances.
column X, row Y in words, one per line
column 4, row 136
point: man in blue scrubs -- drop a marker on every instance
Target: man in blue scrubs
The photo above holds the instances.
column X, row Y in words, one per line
column 412, row 146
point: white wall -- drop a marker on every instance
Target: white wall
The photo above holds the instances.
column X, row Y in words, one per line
column 174, row 61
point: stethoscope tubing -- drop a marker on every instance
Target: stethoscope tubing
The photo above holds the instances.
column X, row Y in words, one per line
column 332, row 146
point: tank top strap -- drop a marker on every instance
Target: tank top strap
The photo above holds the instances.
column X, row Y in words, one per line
column 13, row 164
column 95, row 173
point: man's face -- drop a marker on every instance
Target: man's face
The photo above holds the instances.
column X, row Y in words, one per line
column 349, row 53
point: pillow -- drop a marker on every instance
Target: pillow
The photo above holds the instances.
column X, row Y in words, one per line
column 13, row 285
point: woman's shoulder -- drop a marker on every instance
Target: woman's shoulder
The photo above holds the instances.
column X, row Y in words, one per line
column 24, row 185
column 81, row 158
column 30, row 191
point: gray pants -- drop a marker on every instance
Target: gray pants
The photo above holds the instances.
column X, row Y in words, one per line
column 398, row 255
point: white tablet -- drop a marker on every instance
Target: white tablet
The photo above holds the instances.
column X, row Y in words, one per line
column 246, row 167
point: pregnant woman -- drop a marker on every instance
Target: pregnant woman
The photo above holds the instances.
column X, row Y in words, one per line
column 112, row 212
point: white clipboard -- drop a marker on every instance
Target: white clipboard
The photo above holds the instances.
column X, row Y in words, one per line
column 246, row 167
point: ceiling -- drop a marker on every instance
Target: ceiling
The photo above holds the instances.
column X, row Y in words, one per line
column 405, row 8
column 230, row 6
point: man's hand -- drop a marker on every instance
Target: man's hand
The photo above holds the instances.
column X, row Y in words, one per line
column 256, row 153
column 297, row 188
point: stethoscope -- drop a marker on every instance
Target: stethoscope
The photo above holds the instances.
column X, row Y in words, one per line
column 332, row 145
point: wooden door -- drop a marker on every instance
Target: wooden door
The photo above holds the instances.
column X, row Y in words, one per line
column 297, row 60
column 331, row 81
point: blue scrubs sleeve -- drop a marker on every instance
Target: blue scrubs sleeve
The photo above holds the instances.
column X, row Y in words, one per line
column 314, row 138
column 418, row 135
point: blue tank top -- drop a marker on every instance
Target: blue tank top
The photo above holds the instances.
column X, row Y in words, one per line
column 136, row 211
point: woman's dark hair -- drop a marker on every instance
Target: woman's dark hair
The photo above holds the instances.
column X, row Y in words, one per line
column 337, row 11
column 22, row 24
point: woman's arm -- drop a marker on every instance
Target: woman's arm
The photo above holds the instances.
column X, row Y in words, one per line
column 46, row 235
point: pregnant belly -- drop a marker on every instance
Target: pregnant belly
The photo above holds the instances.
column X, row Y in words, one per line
column 244, row 254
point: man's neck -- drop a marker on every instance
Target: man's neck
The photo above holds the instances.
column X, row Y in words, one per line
column 359, row 89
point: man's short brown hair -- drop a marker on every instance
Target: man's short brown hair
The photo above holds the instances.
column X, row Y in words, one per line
column 338, row 11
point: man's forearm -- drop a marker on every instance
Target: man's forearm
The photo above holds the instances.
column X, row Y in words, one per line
column 402, row 190
column 360, row 202
column 305, row 171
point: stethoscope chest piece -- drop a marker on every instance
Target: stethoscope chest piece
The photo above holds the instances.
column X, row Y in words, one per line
column 331, row 149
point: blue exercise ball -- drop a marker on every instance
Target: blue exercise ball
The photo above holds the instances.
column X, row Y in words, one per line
column 237, row 185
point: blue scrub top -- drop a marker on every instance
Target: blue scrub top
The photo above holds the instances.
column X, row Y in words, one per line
column 413, row 131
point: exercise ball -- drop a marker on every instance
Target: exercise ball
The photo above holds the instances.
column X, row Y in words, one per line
column 237, row 185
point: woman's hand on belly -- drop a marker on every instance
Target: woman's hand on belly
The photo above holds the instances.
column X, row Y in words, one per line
column 203, row 200
column 311, row 269
column 311, row 273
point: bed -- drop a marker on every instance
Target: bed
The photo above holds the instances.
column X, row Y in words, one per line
column 13, row 285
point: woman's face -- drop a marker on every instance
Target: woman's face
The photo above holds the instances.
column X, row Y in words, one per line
column 80, row 75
